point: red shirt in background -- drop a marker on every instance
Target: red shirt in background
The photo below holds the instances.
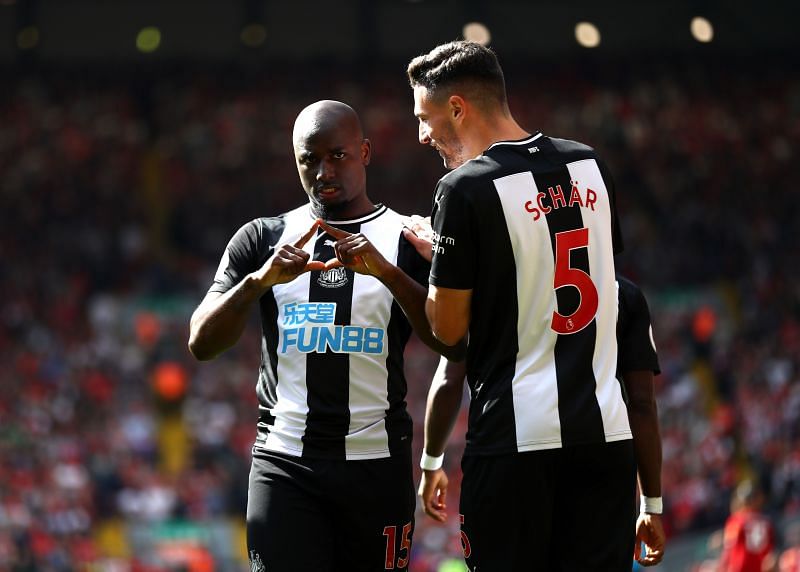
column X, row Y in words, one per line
column 749, row 539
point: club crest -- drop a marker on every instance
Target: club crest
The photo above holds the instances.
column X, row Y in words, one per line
column 332, row 278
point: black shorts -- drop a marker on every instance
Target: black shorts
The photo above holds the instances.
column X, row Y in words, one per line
column 329, row 516
column 553, row 510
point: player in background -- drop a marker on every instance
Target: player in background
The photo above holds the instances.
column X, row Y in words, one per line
column 637, row 365
column 523, row 263
column 748, row 543
column 331, row 484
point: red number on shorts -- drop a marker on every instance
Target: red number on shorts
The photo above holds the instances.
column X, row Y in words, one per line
column 405, row 545
column 465, row 545
column 390, row 532
column 566, row 275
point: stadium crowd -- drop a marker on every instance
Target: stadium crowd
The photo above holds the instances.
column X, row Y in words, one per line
column 116, row 448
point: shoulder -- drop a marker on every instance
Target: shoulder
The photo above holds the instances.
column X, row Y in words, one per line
column 632, row 302
column 267, row 231
column 564, row 151
column 557, row 151
column 629, row 292
column 569, row 146
column 296, row 220
column 258, row 228
column 381, row 224
column 470, row 177
column 392, row 217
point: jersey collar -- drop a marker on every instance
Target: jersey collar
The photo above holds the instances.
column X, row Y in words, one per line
column 380, row 208
column 525, row 141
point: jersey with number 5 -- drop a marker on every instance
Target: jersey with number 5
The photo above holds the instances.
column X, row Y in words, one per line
column 530, row 227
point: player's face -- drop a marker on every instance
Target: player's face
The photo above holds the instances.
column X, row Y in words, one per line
column 331, row 162
column 437, row 128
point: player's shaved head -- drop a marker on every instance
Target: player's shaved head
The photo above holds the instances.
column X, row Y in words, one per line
column 331, row 154
column 325, row 115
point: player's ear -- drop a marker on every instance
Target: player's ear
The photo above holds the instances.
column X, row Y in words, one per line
column 366, row 151
column 456, row 106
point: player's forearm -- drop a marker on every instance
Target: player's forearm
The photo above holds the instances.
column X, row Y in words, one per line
column 643, row 416
column 647, row 447
column 218, row 324
column 411, row 297
column 444, row 402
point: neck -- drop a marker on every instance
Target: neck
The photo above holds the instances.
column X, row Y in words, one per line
column 342, row 212
column 494, row 129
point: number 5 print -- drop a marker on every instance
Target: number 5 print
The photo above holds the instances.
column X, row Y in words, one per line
column 566, row 275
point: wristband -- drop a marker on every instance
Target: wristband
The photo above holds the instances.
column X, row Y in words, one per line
column 651, row 505
column 431, row 463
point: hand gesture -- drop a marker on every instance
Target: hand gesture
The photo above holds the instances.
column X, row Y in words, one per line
column 650, row 534
column 288, row 262
column 355, row 252
column 433, row 494
column 419, row 233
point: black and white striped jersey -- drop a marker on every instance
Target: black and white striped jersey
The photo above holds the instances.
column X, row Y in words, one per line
column 637, row 348
column 530, row 227
column 331, row 382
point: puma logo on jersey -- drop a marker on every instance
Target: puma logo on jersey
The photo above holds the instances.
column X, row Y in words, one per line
column 332, row 278
column 329, row 242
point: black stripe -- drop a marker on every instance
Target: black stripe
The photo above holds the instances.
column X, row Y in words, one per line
column 492, row 420
column 399, row 427
column 578, row 409
column 328, row 374
column 267, row 386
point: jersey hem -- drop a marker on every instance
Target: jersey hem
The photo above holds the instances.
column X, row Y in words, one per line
column 543, row 445
column 261, row 443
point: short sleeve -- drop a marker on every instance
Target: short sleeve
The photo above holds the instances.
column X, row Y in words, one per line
column 637, row 350
column 453, row 222
column 410, row 262
column 241, row 257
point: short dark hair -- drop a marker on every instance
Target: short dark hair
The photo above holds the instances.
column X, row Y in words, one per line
column 462, row 64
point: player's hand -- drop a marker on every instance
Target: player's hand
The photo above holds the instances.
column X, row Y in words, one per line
column 288, row 262
column 355, row 252
column 419, row 233
column 650, row 534
column 433, row 494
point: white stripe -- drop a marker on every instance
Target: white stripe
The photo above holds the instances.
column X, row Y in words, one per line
column 586, row 174
column 291, row 409
column 535, row 388
column 367, row 437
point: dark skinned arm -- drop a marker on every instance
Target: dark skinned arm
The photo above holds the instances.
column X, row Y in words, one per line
column 441, row 412
column 218, row 322
column 643, row 416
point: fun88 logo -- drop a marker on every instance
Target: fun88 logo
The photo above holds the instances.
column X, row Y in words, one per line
column 308, row 327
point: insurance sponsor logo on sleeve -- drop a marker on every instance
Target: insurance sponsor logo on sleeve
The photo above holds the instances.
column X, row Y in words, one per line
column 441, row 241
